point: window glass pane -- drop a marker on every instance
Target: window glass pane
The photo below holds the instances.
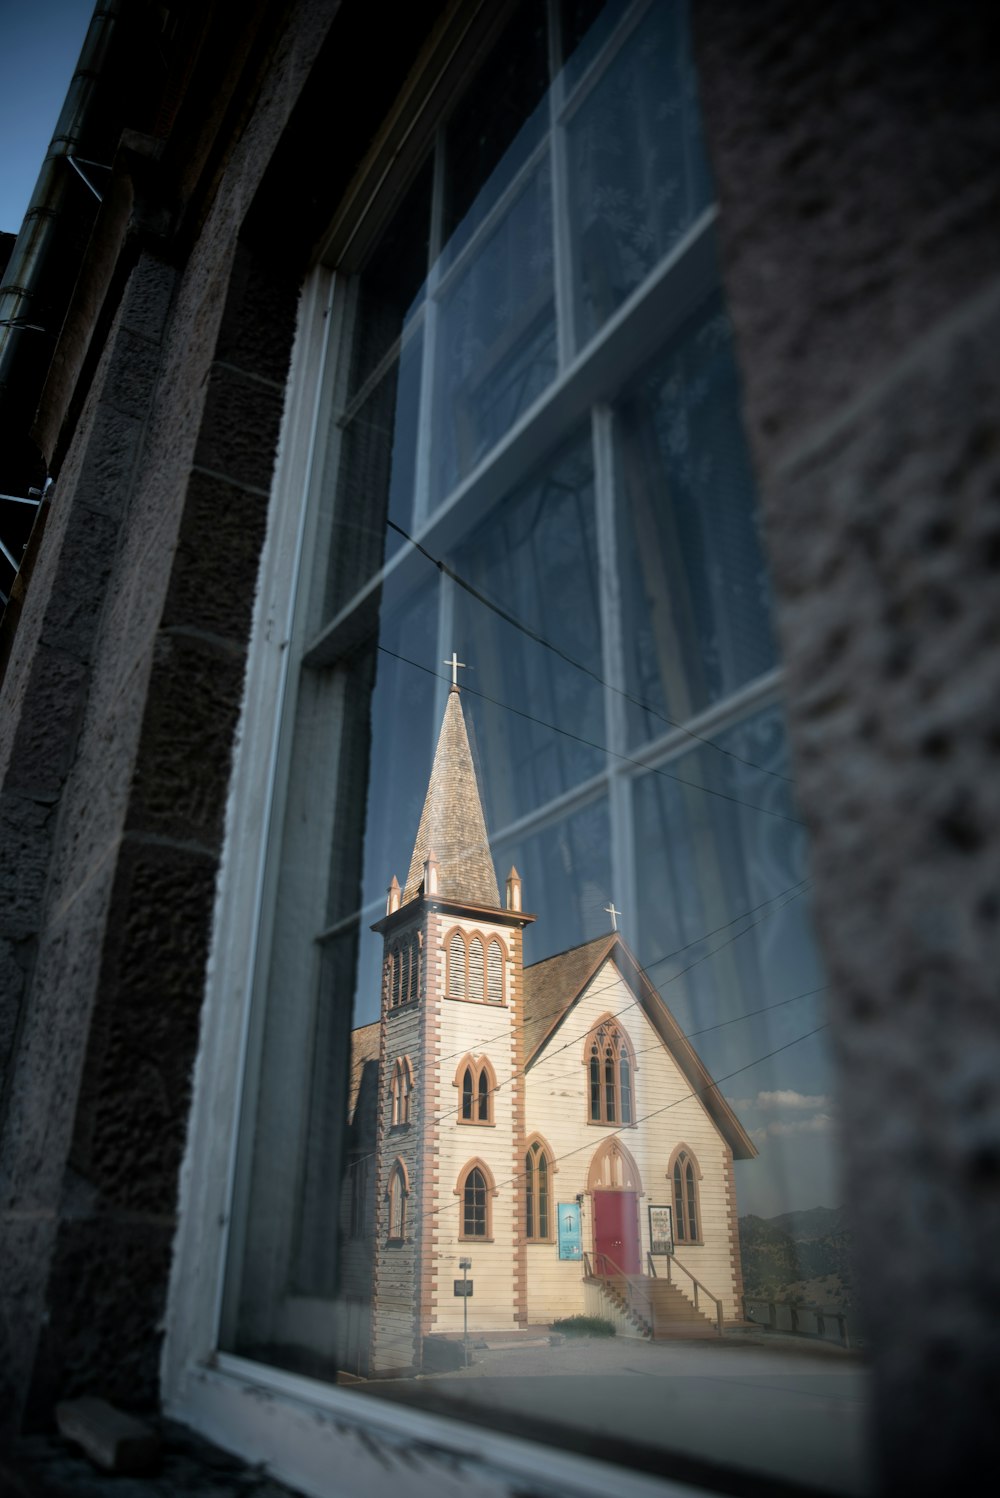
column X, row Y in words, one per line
column 532, row 750
column 496, row 334
column 496, row 126
column 376, row 454
column 638, row 175
column 532, row 601
column 695, row 609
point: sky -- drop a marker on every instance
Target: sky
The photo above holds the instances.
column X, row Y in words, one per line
column 41, row 44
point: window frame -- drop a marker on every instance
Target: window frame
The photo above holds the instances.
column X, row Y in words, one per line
column 490, row 1190
column 314, row 1429
column 684, row 1160
column 532, row 1211
column 624, row 1056
column 400, row 1092
column 488, row 942
column 478, row 1070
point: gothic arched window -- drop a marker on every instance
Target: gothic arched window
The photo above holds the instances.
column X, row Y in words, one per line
column 476, row 1082
column 475, row 1191
column 611, row 1069
column 684, row 1176
column 396, row 1193
column 494, row 973
column 400, row 1089
column 538, row 1171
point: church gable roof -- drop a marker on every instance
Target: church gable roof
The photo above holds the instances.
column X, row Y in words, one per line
column 552, row 988
column 452, row 825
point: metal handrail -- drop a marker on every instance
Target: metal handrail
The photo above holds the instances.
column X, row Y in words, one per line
column 699, row 1288
column 603, row 1263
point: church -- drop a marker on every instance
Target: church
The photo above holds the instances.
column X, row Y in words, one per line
column 542, row 1132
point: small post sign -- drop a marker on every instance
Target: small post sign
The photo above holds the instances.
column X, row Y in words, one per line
column 661, row 1230
column 463, row 1289
column 570, row 1237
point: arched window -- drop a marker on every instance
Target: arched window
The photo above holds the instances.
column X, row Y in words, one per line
column 396, row 1193
column 475, row 967
column 684, row 1177
column 613, row 1168
column 476, row 1082
column 538, row 1171
column 400, row 1088
column 611, row 1067
column 475, row 1191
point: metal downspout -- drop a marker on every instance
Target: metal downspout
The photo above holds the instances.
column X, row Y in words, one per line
column 56, row 181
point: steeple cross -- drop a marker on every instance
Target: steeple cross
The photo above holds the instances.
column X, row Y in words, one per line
column 455, row 663
column 614, row 914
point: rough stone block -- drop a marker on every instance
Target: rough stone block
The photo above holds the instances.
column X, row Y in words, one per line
column 47, row 727
column 185, row 754
column 130, row 374
column 855, row 153
column 258, row 323
column 25, row 830
column 113, row 1440
column 85, row 565
column 213, row 582
column 239, row 432
column 132, row 1115
column 45, row 1069
column 146, row 303
column 105, row 472
column 106, row 1295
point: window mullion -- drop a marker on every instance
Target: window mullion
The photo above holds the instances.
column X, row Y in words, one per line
column 562, row 245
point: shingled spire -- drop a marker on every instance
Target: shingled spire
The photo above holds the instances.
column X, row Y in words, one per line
column 452, row 825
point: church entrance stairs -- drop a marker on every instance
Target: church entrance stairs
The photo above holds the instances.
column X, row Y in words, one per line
column 658, row 1309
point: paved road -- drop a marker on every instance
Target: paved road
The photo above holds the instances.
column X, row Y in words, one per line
column 783, row 1409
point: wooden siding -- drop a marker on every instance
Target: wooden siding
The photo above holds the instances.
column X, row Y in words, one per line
column 557, row 1107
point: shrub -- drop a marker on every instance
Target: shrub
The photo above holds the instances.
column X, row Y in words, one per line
column 584, row 1326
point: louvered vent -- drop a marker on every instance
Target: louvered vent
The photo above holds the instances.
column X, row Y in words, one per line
column 456, row 967
column 494, row 974
column 476, row 968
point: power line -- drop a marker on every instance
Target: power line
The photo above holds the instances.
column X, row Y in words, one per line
column 601, row 748
column 570, row 660
column 654, row 1113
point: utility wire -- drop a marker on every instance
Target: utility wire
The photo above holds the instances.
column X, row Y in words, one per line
column 601, row 748
column 570, row 660
column 655, row 1113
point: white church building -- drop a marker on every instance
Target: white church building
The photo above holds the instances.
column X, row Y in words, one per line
column 550, row 1125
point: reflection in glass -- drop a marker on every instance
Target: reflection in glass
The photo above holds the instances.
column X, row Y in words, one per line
column 638, row 176
column 535, row 558
column 375, row 478
column 696, row 605
column 435, row 1072
column 496, row 335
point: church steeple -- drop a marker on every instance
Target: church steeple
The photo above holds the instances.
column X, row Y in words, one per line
column 452, row 827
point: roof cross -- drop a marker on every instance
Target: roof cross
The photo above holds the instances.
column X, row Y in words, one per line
column 455, row 663
column 614, row 914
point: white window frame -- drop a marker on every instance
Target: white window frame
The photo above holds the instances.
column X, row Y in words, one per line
column 320, row 1438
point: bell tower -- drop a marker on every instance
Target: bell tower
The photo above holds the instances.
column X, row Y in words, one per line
column 451, row 1124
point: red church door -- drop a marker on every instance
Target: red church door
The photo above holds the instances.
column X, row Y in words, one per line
column 616, row 1231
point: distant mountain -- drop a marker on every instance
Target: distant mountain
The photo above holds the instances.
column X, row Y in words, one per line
column 804, row 1256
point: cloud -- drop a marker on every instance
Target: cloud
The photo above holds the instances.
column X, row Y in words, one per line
column 820, row 1123
column 771, row 1102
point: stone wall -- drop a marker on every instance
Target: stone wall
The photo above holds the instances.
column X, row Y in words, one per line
column 856, row 150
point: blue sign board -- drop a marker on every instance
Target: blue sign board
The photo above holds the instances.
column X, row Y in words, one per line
column 570, row 1239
